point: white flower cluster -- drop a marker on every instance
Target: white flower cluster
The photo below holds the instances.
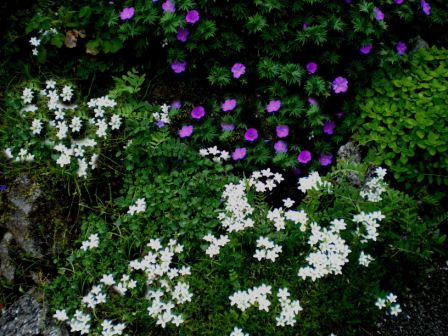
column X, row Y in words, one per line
column 125, row 283
column 329, row 255
column 238, row 332
column 253, row 296
column 61, row 126
column 390, row 302
column 80, row 322
column 289, row 309
column 138, row 207
column 375, row 186
column 110, row 329
column 298, row 217
column 370, row 223
column 36, row 41
column 271, row 180
column 215, row 244
column 365, row 259
column 90, row 243
column 236, row 216
column 94, row 297
column 313, row 181
column 22, row 156
column 217, row 155
column 163, row 116
column 161, row 275
column 266, row 249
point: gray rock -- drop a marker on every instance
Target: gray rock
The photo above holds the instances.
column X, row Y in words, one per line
column 7, row 268
column 23, row 196
column 350, row 153
column 420, row 43
column 27, row 317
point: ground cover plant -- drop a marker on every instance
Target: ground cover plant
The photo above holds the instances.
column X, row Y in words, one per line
column 195, row 151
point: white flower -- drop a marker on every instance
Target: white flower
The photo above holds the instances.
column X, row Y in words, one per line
column 51, row 84
column 140, row 206
column 395, row 309
column 108, row 279
column 238, row 332
column 91, row 242
column 313, row 181
column 61, row 315
column 380, row 303
column 34, row 41
column 36, row 126
column 76, row 124
column 266, row 249
column 67, row 93
column 115, row 122
column 27, row 95
column 288, row 202
column 391, row 298
column 365, row 259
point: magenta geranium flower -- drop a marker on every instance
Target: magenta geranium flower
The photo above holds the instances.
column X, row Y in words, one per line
column 168, row 7
column 176, row 104
column 185, row 131
column 312, row 101
column 192, row 16
column 379, row 15
column 282, row 131
column 399, row 2
column 280, row 147
column 227, row 127
column 365, row 49
column 426, row 7
column 228, row 105
column 401, row 48
column 251, row 134
column 329, row 127
column 239, row 153
column 178, row 66
column 182, row 34
column 311, row 67
column 325, row 159
column 273, row 106
column 340, row 84
column 198, row 112
column 304, row 157
column 127, row 13
column 238, row 70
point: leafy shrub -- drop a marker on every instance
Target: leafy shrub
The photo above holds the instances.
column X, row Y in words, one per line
column 403, row 119
column 286, row 37
column 185, row 205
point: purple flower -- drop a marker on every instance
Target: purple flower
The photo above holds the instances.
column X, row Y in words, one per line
column 365, row 49
column 198, row 112
column 168, row 7
column 251, row 134
column 312, row 101
column 305, row 25
column 178, row 66
column 185, row 131
column 282, row 131
column 127, row 13
column 238, row 69
column 426, row 7
column 280, row 147
column 340, row 84
column 227, row 127
column 176, row 104
column 325, row 159
column 160, row 124
column 379, row 15
column 401, row 48
column 273, row 106
column 304, row 157
column 329, row 127
column 182, row 34
column 192, row 16
column 311, row 67
column 399, row 2
column 239, row 153
column 228, row 105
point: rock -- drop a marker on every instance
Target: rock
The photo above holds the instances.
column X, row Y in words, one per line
column 420, row 43
column 23, row 195
column 7, row 268
column 350, row 153
column 27, row 317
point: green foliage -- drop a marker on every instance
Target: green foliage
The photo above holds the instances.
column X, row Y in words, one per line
column 403, row 119
column 184, row 204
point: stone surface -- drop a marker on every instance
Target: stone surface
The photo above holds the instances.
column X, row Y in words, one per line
column 350, row 153
column 27, row 317
column 23, row 195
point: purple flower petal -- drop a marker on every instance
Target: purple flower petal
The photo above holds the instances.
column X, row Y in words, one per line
column 304, row 157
